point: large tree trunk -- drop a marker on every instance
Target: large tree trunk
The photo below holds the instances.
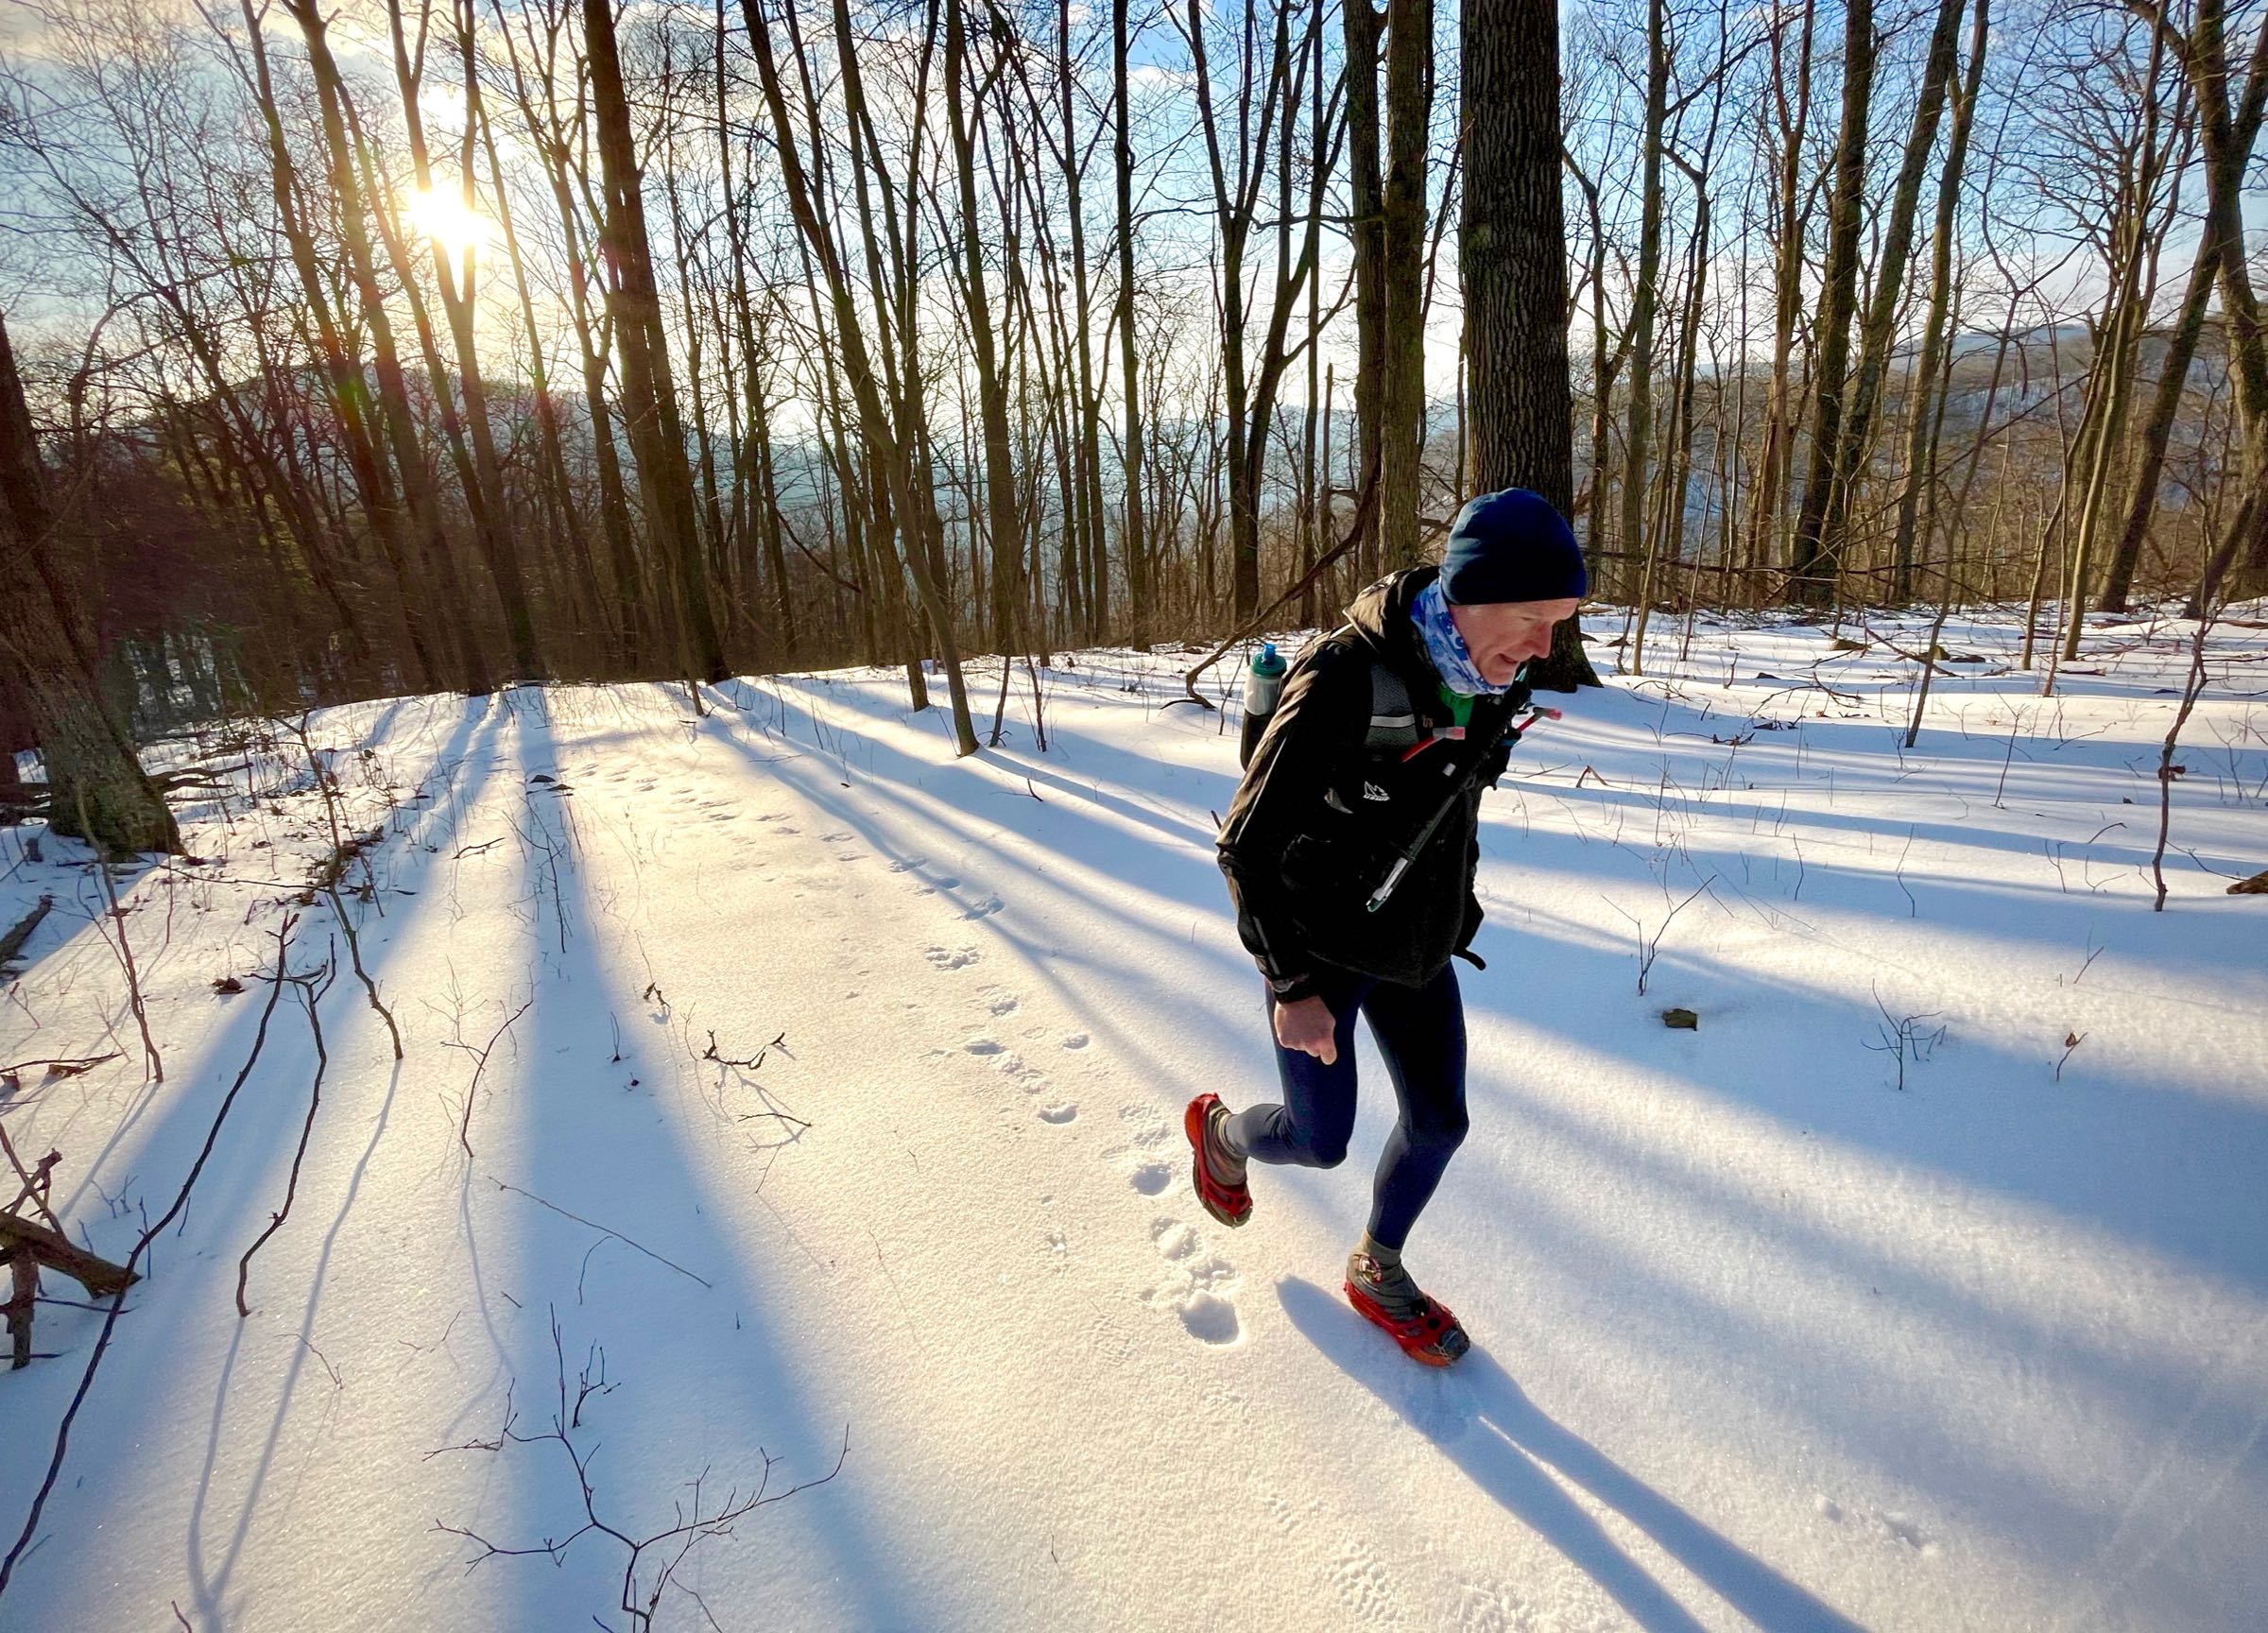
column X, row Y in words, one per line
column 96, row 788
column 1812, row 577
column 1367, row 228
column 1512, row 258
column 1401, row 407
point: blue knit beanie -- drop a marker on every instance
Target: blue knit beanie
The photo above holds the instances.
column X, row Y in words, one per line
column 1512, row 546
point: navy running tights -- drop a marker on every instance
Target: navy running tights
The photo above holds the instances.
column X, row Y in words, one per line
column 1421, row 1032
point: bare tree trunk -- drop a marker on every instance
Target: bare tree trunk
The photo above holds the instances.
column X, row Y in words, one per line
column 1134, row 538
column 1769, row 497
column 96, row 788
column 1234, row 193
column 1087, row 417
column 2121, row 343
column 638, row 638
column 891, row 458
column 1637, row 442
column 1003, row 518
column 551, row 449
column 1512, row 259
column 1252, row 374
column 393, row 397
column 342, row 371
column 1401, row 399
column 483, row 493
column 1667, row 539
column 2229, row 134
column 711, row 547
column 1812, row 570
column 648, row 392
column 2157, row 427
column 1367, row 228
column 1605, row 365
column 1855, row 435
column 1921, row 443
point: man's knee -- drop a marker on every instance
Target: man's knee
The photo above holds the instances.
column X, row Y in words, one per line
column 1442, row 1131
column 1323, row 1148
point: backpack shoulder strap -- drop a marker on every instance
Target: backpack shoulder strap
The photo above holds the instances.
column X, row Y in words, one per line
column 1393, row 716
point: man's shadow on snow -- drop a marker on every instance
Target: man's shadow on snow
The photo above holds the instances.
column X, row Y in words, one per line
column 1481, row 1420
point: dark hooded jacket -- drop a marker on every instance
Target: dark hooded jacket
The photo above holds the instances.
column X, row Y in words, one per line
column 1320, row 816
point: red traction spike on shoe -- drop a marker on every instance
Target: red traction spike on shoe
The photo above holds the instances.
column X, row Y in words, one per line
column 1231, row 1204
column 1431, row 1337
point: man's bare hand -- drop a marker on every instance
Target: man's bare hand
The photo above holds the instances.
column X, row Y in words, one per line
column 1309, row 1026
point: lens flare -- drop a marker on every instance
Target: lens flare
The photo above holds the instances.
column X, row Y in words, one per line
column 456, row 227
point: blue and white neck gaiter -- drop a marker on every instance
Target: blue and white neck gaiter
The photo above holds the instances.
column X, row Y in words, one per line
column 1446, row 647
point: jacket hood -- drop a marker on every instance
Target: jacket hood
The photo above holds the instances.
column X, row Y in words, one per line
column 1381, row 617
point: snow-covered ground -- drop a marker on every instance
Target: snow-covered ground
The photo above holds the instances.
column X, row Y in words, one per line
column 791, row 1109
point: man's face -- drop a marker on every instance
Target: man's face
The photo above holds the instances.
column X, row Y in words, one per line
column 1502, row 635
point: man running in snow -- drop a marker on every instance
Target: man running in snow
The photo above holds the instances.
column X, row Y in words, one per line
column 1343, row 783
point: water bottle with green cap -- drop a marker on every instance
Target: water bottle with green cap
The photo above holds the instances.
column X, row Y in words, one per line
column 1263, row 683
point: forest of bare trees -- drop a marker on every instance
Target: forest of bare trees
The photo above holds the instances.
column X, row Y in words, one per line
column 407, row 346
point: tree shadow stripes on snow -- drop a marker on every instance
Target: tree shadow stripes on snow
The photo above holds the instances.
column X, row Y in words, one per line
column 1507, row 1445
column 709, row 1382
column 2062, row 1163
column 1182, row 872
column 172, row 1316
column 474, row 735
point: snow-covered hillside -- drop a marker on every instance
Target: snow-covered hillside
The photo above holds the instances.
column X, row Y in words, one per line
column 790, row 1111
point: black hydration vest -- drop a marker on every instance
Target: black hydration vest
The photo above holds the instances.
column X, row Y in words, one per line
column 1393, row 717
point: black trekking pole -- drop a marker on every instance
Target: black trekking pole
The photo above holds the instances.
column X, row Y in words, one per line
column 1510, row 731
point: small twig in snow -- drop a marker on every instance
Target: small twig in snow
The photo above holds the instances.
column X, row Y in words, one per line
column 124, row 947
column 311, row 993
column 480, row 1062
column 601, row 1229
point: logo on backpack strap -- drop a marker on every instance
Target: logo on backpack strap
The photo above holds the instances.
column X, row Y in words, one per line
column 1372, row 791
